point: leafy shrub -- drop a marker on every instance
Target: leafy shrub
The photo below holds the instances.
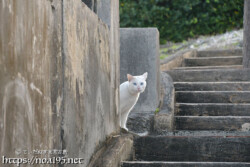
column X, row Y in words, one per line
column 178, row 20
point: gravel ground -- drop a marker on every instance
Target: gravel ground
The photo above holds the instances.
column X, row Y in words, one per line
column 229, row 40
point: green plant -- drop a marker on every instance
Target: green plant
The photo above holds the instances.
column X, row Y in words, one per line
column 178, row 20
column 157, row 111
column 163, row 56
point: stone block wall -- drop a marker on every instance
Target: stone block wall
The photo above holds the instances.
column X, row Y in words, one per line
column 59, row 78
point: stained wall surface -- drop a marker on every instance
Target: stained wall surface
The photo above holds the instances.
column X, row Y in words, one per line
column 59, row 85
column 89, row 114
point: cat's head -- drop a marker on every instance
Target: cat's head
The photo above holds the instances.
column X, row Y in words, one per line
column 137, row 84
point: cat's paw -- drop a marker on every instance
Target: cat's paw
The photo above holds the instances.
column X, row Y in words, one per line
column 124, row 130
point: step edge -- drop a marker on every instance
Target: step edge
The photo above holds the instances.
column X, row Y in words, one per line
column 213, row 116
column 215, row 57
column 240, row 92
column 205, row 133
column 219, row 66
column 222, row 82
column 183, row 162
column 217, row 70
column 226, row 104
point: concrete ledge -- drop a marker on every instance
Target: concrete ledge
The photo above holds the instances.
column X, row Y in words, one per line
column 176, row 60
column 115, row 150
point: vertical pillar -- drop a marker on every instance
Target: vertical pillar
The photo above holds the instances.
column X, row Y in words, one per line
column 140, row 53
column 246, row 36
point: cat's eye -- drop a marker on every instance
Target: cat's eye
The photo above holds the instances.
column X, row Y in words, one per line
column 141, row 83
column 135, row 84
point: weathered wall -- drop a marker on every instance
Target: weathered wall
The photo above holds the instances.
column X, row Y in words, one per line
column 139, row 54
column 59, row 85
column 89, row 106
column 246, row 35
column 108, row 12
column 31, row 75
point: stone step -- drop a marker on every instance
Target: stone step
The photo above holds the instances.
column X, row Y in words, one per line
column 183, row 164
column 211, row 75
column 210, row 67
column 189, row 148
column 223, row 123
column 212, row 96
column 212, row 86
column 216, row 53
column 205, row 133
column 212, row 109
column 213, row 61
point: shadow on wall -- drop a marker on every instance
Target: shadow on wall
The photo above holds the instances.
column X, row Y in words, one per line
column 92, row 4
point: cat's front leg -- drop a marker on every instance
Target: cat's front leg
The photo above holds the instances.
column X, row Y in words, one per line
column 123, row 121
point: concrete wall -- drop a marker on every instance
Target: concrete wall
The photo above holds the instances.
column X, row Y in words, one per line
column 246, row 35
column 59, row 85
column 31, row 75
column 89, row 109
column 108, row 12
column 139, row 54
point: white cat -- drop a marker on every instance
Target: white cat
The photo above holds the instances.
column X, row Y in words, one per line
column 129, row 94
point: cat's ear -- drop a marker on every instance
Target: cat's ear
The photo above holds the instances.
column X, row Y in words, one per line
column 145, row 75
column 130, row 77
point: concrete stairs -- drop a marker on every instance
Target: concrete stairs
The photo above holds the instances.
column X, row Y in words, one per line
column 213, row 61
column 212, row 116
